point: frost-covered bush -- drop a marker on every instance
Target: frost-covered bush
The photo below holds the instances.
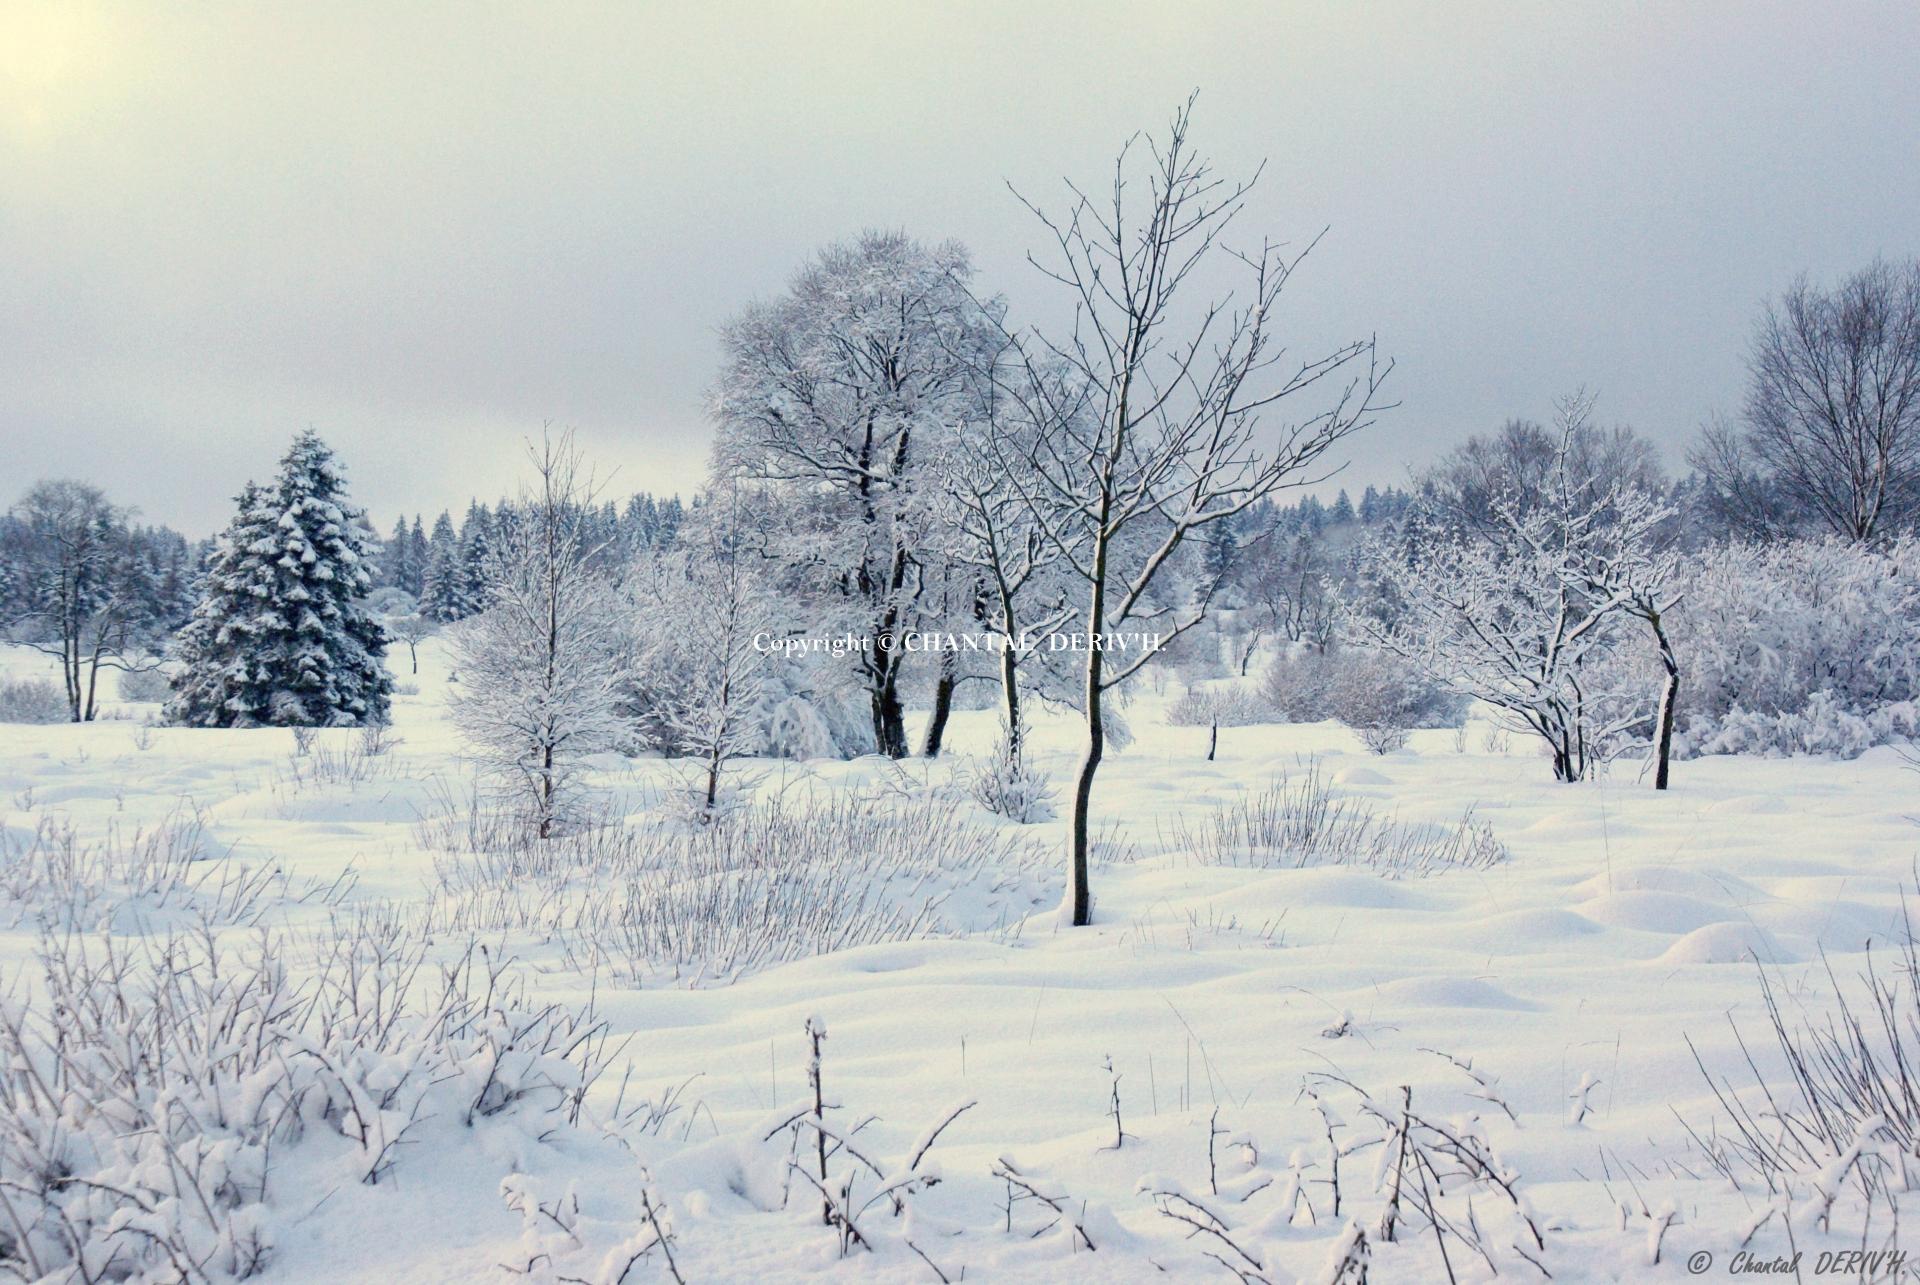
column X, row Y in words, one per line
column 1009, row 786
column 148, row 685
column 1221, row 705
column 31, row 700
column 123, row 879
column 1805, row 646
column 771, row 882
column 1298, row 821
column 161, row 1103
column 1377, row 695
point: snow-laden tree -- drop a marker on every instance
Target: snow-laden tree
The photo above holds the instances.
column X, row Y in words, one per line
column 442, row 580
column 1159, row 430
column 282, row 634
column 843, row 396
column 702, row 670
column 541, row 669
column 83, row 591
column 1525, row 607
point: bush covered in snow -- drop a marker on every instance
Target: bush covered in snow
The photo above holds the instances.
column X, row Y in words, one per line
column 1299, row 821
column 1010, row 786
column 163, row 1106
column 1381, row 697
column 1805, row 646
column 768, row 883
column 31, row 700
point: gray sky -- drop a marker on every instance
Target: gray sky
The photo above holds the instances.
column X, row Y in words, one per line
column 425, row 235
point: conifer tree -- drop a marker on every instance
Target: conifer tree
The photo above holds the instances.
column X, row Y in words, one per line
column 282, row 635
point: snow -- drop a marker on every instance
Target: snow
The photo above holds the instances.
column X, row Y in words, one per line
column 1571, row 976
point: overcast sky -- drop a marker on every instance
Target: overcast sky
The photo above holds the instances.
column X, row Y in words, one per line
column 424, row 235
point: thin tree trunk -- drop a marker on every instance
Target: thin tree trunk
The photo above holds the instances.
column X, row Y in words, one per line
column 942, row 706
column 1010, row 692
column 1079, row 891
column 1213, row 741
column 1669, row 697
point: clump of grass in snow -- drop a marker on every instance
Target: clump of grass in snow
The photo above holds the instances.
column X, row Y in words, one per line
column 62, row 878
column 775, row 881
column 1298, row 821
column 1836, row 1128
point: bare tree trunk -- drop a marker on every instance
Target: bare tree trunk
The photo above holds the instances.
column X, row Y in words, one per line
column 1010, row 693
column 1213, row 739
column 1669, row 697
column 1079, row 889
column 942, row 705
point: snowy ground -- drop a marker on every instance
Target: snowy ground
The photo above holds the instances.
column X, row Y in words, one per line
column 1624, row 924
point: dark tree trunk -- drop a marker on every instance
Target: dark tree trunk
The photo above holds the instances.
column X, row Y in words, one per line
column 942, row 705
column 1669, row 697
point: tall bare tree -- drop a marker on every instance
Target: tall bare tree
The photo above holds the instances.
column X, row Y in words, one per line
column 1833, row 400
column 540, row 668
column 1176, row 402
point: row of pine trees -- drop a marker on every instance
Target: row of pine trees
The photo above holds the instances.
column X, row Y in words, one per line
column 445, row 571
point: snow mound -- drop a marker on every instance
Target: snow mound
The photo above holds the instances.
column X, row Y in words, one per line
column 1702, row 883
column 1359, row 776
column 1453, row 992
column 1728, row 943
column 1656, row 912
column 1521, row 931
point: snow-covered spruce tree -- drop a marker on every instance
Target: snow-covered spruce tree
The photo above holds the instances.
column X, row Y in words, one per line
column 1167, row 441
column 282, row 634
column 701, row 674
column 441, row 596
column 1524, row 608
column 542, row 668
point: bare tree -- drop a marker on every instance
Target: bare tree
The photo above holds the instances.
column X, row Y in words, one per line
column 81, row 601
column 540, row 668
column 1022, row 591
column 1168, row 439
column 700, row 673
column 1833, row 402
column 411, row 628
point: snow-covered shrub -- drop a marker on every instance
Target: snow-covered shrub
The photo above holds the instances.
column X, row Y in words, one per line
column 1804, row 646
column 1298, row 821
column 149, row 685
column 31, row 700
column 778, row 881
column 123, row 879
column 1367, row 690
column 1011, row 787
column 159, row 1102
column 1219, row 705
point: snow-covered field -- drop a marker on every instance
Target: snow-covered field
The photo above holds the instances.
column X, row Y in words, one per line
column 1553, row 995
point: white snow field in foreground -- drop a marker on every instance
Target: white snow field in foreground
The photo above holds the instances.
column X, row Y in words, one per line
column 1151, row 1098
